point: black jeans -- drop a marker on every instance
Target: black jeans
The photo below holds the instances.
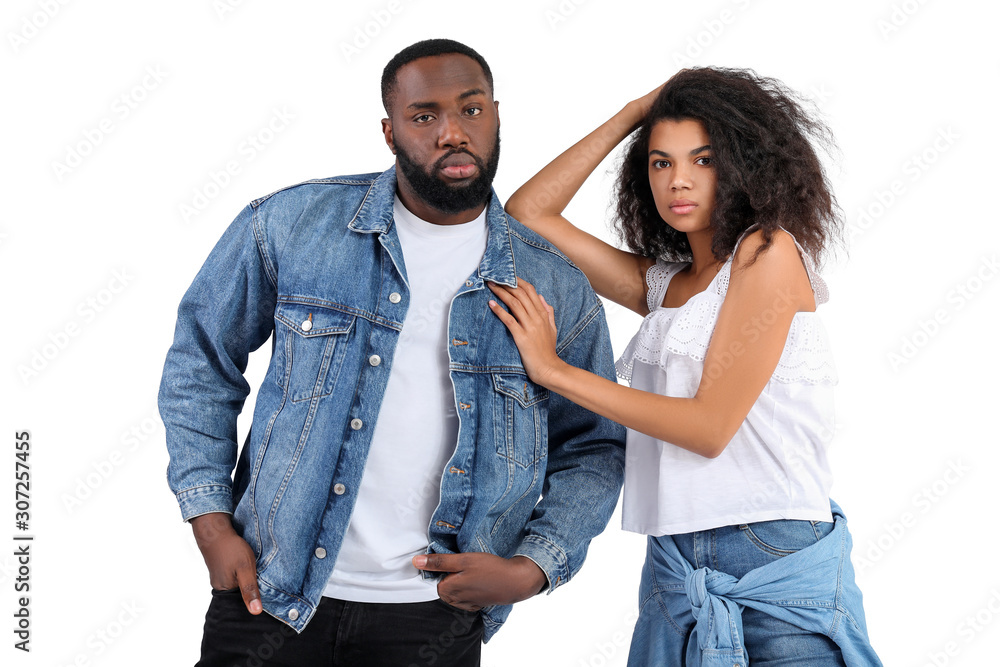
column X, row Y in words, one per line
column 342, row 634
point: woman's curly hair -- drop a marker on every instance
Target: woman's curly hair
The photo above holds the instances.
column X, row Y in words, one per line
column 767, row 171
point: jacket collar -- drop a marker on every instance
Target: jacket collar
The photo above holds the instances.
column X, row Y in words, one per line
column 375, row 215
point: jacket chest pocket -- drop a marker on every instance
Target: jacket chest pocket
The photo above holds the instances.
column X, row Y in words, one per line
column 309, row 349
column 521, row 413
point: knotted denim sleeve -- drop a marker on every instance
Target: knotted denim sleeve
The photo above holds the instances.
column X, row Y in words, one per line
column 813, row 588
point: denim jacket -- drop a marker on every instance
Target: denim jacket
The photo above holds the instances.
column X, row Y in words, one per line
column 318, row 268
column 813, row 588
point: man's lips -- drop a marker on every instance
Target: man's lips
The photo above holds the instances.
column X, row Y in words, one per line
column 682, row 206
column 458, row 165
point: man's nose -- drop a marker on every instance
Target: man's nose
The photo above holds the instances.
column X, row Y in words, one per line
column 452, row 133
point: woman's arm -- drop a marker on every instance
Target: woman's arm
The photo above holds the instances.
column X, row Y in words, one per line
column 747, row 343
column 615, row 274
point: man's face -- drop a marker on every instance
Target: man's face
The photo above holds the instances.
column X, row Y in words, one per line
column 445, row 133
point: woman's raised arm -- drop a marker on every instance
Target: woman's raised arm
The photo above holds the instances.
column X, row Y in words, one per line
column 615, row 274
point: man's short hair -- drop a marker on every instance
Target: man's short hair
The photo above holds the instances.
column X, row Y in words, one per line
column 428, row 47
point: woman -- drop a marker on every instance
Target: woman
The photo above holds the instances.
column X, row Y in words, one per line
column 724, row 207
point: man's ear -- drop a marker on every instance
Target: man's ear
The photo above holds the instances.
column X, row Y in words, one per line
column 496, row 107
column 387, row 131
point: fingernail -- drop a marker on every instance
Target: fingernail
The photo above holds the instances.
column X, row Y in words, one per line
column 419, row 561
column 255, row 607
column 492, row 302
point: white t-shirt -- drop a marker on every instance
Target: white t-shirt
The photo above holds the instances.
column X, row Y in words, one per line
column 417, row 428
column 775, row 467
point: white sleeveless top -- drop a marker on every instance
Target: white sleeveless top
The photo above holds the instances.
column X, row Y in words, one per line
column 775, row 467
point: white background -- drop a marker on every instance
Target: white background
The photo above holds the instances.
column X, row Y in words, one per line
column 95, row 257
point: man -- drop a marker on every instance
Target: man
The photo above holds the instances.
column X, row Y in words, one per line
column 396, row 428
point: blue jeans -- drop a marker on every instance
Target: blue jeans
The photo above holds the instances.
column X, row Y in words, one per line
column 665, row 618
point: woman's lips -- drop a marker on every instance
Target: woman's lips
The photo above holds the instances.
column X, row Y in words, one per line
column 682, row 206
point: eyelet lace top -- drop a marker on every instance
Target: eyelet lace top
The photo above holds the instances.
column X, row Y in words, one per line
column 688, row 330
column 775, row 467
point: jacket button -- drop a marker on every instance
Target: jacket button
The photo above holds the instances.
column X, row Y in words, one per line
column 339, row 489
column 395, row 298
column 374, row 360
column 307, row 325
column 320, row 552
column 293, row 614
column 356, row 424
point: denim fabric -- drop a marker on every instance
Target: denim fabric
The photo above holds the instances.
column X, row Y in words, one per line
column 319, row 266
column 769, row 593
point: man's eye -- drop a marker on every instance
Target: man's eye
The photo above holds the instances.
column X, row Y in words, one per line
column 423, row 118
column 473, row 111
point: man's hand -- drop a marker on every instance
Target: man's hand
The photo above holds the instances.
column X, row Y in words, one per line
column 230, row 560
column 477, row 580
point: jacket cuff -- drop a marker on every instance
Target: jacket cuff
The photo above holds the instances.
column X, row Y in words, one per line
column 547, row 556
column 205, row 499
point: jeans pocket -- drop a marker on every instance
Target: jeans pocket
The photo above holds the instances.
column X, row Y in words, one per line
column 783, row 537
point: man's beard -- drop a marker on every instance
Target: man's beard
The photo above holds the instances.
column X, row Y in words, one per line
column 451, row 198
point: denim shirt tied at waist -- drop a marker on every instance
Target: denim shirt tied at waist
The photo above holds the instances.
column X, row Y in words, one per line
column 813, row 588
column 318, row 268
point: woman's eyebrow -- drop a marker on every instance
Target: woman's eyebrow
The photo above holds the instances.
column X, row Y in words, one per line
column 701, row 149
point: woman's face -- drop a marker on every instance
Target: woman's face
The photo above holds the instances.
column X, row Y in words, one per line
column 681, row 174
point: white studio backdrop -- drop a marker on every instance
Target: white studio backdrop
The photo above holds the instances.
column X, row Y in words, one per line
column 134, row 132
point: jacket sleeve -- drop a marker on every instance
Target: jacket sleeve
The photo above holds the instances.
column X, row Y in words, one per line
column 585, row 464
column 226, row 314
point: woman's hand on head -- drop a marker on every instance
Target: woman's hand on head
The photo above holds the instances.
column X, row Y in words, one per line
column 642, row 105
column 532, row 323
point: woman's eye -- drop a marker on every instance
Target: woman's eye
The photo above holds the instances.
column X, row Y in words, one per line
column 704, row 160
column 661, row 164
